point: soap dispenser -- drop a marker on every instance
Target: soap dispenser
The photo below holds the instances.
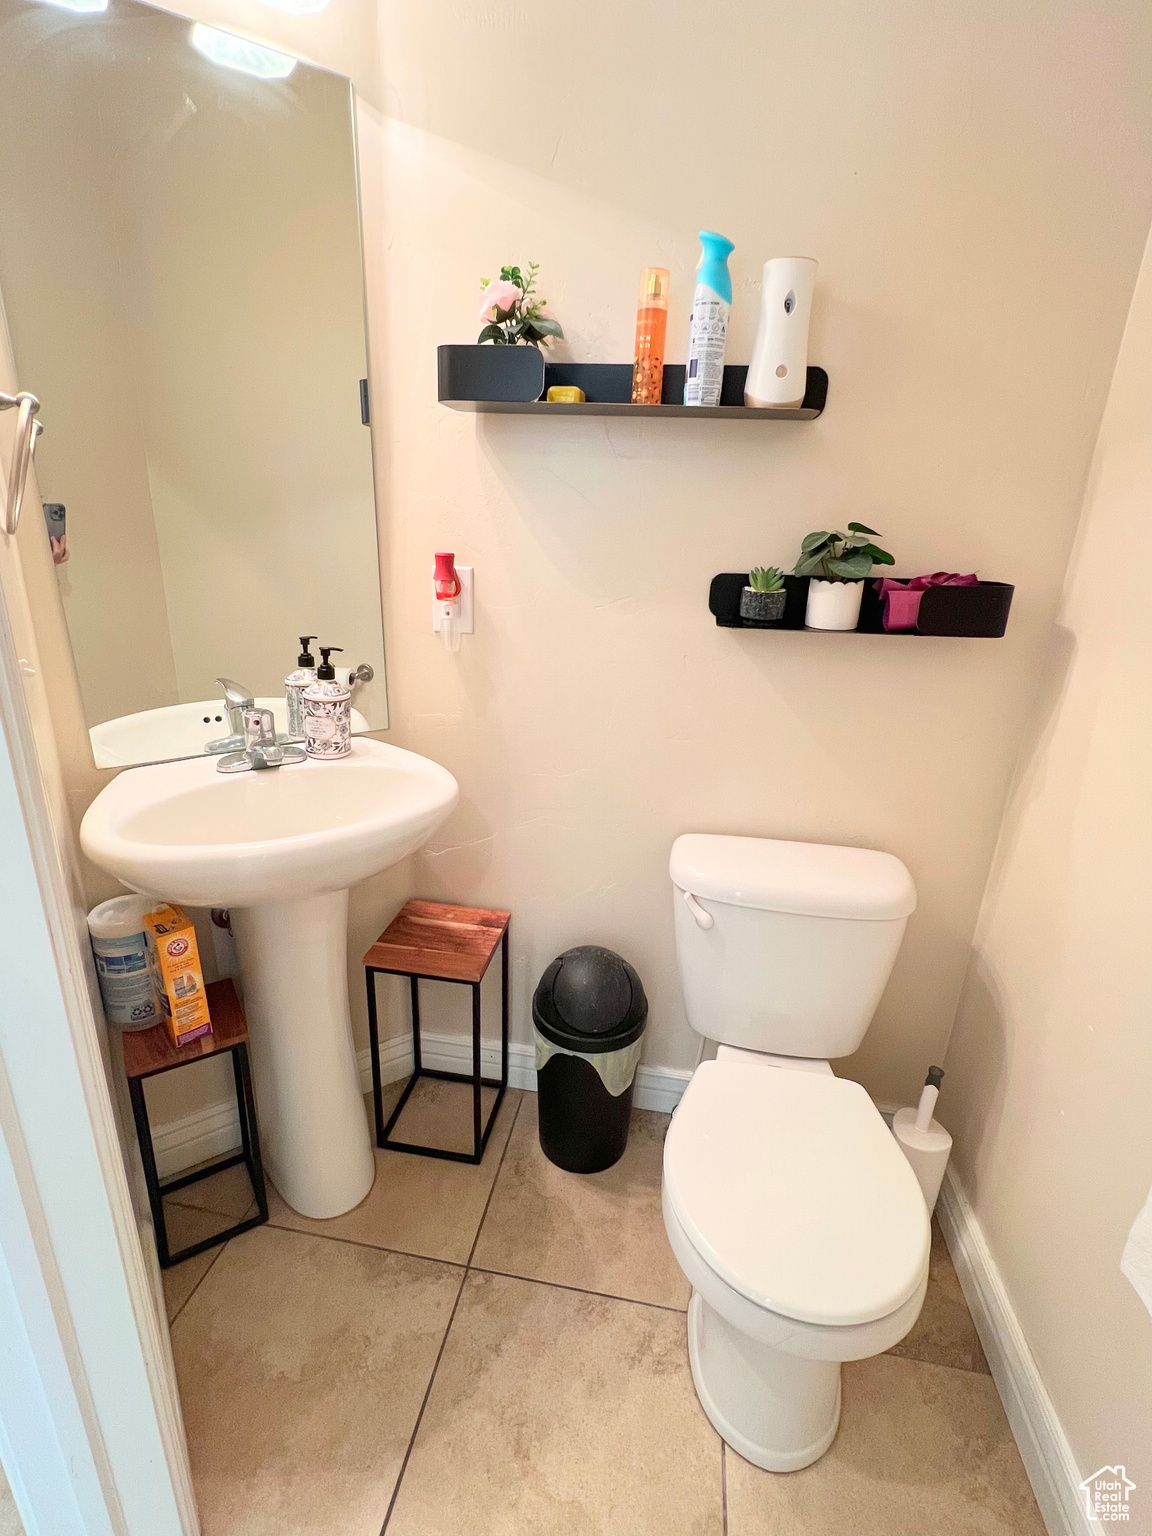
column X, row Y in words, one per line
column 294, row 686
column 327, row 711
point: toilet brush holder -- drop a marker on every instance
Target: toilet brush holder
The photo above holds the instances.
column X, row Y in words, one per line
column 926, row 1150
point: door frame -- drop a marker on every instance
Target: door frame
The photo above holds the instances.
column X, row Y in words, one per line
column 91, row 1433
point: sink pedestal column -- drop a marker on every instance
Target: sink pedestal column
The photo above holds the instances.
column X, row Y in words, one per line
column 313, row 1126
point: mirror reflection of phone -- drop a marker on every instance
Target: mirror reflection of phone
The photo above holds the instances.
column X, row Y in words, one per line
column 55, row 519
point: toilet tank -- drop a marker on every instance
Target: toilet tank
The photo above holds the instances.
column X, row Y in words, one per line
column 785, row 947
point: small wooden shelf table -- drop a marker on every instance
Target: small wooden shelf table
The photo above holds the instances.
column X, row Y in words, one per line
column 435, row 941
column 148, row 1052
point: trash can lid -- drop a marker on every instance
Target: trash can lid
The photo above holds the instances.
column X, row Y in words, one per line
column 590, row 1000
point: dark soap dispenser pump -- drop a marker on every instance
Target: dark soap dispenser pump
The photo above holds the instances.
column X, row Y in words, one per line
column 294, row 686
column 327, row 711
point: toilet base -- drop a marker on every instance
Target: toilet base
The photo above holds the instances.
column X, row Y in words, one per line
column 778, row 1411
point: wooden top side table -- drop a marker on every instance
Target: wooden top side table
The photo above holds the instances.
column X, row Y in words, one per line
column 148, row 1052
column 437, row 941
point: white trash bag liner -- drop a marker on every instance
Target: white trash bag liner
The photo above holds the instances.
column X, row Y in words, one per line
column 616, row 1069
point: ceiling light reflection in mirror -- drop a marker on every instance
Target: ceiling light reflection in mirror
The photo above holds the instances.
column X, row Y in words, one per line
column 240, row 53
column 299, row 7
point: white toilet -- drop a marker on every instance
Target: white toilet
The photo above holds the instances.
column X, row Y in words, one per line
column 787, row 1201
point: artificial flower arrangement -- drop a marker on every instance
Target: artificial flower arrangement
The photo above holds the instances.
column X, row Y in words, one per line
column 511, row 314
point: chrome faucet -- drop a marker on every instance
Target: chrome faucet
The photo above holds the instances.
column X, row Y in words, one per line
column 261, row 749
column 236, row 699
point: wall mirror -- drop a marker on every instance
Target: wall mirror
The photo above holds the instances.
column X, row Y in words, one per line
column 182, row 281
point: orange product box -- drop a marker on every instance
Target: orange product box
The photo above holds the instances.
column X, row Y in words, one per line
column 176, row 970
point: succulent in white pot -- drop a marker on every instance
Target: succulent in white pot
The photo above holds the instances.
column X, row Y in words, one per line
column 838, row 564
column 763, row 598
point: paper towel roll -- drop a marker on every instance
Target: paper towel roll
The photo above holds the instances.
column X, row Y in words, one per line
column 927, row 1151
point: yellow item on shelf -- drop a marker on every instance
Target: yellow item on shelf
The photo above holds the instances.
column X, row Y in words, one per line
column 175, row 961
column 565, row 394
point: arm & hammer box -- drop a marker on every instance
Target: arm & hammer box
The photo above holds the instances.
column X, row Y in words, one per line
column 179, row 978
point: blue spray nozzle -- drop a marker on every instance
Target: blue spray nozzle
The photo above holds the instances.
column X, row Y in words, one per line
column 713, row 267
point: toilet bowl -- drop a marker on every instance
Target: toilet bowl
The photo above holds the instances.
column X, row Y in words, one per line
column 787, row 1201
column 802, row 1230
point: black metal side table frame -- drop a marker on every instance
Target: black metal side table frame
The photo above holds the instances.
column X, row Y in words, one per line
column 480, row 1131
column 249, row 1155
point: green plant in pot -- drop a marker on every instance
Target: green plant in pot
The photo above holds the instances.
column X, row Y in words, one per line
column 838, row 564
column 762, row 600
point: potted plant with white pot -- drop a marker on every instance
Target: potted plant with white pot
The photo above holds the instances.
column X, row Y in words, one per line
column 762, row 600
column 838, row 565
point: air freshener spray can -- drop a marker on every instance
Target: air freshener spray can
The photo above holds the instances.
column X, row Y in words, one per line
column 708, row 329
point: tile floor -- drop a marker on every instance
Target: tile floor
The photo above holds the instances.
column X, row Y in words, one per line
column 10, row 1523
column 501, row 1350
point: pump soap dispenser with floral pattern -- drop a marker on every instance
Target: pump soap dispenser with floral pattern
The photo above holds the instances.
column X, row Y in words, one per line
column 327, row 711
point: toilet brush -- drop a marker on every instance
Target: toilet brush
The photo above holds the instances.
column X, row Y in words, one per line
column 923, row 1140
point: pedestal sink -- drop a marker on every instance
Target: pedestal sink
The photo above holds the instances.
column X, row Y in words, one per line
column 279, row 848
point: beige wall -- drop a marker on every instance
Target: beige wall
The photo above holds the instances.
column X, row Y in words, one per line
column 1050, row 1065
column 975, row 183
column 953, row 171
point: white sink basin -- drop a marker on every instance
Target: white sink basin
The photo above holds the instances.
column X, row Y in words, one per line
column 207, row 839
column 176, row 730
column 280, row 848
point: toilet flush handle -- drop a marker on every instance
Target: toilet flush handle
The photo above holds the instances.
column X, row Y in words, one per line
column 704, row 919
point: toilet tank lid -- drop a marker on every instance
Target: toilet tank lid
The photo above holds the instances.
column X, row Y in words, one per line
column 810, row 879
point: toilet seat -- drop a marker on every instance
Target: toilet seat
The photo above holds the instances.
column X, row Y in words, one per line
column 793, row 1192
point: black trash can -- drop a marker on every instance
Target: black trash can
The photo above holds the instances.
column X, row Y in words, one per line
column 589, row 1010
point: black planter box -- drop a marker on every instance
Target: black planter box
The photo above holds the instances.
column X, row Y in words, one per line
column 977, row 613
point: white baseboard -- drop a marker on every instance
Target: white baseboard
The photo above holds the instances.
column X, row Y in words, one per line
column 214, row 1130
column 660, row 1088
column 1044, row 1447
column 194, row 1138
column 448, row 1053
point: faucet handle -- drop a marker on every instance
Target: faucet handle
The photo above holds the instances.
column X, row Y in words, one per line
column 261, row 749
column 259, row 728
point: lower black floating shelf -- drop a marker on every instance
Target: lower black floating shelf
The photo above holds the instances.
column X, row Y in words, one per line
column 512, row 380
column 974, row 613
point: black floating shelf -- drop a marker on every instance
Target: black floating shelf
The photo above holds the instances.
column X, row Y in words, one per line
column 512, row 380
column 977, row 613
